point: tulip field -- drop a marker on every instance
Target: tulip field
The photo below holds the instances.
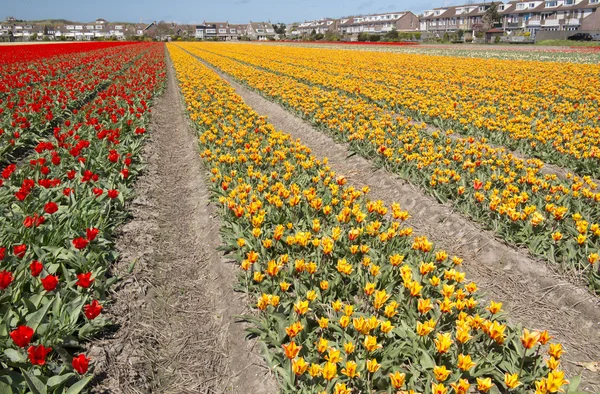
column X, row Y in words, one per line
column 344, row 296
column 73, row 119
column 556, row 218
column 347, row 298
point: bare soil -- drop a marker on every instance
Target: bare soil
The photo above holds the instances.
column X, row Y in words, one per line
column 532, row 293
column 175, row 307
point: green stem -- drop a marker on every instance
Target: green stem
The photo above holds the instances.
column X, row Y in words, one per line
column 523, row 360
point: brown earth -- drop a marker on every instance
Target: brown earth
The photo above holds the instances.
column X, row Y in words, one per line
column 532, row 293
column 175, row 306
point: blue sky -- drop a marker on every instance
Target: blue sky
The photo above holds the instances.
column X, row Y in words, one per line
column 195, row 11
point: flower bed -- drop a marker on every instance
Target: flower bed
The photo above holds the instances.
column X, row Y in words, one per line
column 59, row 211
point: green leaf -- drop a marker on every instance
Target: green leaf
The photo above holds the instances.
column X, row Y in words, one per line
column 15, row 356
column 427, row 361
column 574, row 383
column 77, row 387
column 59, row 380
column 6, row 388
column 36, row 318
column 35, row 385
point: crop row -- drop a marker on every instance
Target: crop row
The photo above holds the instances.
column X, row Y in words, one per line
column 554, row 118
column 563, row 55
column 14, row 55
column 28, row 112
column 59, row 209
column 346, row 298
column 555, row 219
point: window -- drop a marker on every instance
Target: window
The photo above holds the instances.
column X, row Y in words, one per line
column 569, row 2
column 531, row 5
column 232, row 31
column 520, row 6
column 551, row 3
column 260, row 30
column 213, row 31
column 222, row 31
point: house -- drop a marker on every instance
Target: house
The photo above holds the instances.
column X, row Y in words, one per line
column 517, row 16
column 465, row 17
column 261, row 31
column 404, row 21
column 242, row 30
column 6, row 33
column 551, row 15
column 220, row 31
column 200, row 33
column 320, row 26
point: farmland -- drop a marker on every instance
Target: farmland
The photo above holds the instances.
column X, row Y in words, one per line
column 410, row 221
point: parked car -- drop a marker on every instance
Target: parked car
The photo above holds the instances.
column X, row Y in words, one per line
column 596, row 37
column 580, row 37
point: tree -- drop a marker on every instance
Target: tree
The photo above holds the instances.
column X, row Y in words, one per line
column 491, row 16
column 331, row 36
column 392, row 35
column 162, row 31
column 280, row 28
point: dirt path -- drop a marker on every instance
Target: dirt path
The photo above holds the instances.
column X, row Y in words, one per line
column 175, row 311
column 532, row 294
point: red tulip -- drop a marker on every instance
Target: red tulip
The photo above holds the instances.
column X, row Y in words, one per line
column 37, row 354
column 92, row 310
column 28, row 222
column 84, row 280
column 51, row 207
column 113, row 193
column 2, row 253
column 38, row 219
column 80, row 243
column 6, row 277
column 81, row 364
column 20, row 250
column 22, row 336
column 36, row 268
column 113, row 156
column 50, row 282
column 91, row 233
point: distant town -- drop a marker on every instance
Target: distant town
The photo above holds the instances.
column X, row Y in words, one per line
column 490, row 21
